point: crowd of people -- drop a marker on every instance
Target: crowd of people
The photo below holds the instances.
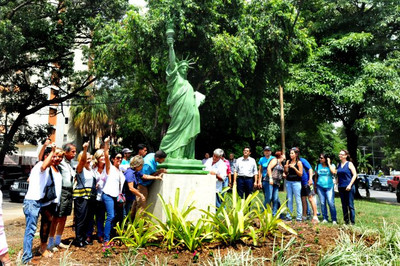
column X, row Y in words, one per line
column 302, row 182
column 103, row 188
column 100, row 190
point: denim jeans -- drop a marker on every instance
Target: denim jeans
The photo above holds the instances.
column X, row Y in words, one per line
column 128, row 207
column 218, row 200
column 347, row 198
column 109, row 203
column 293, row 189
column 244, row 186
column 31, row 210
column 267, row 189
column 276, row 204
column 327, row 196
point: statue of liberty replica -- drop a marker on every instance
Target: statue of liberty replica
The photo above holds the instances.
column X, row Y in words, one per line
column 183, row 102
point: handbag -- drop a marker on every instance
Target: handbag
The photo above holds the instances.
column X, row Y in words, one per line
column 121, row 197
column 50, row 190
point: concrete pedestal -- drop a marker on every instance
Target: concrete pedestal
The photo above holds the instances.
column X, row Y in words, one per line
column 203, row 197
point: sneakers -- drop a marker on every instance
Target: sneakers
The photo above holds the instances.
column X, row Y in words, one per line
column 334, row 223
column 315, row 220
column 53, row 249
column 324, row 221
column 63, row 246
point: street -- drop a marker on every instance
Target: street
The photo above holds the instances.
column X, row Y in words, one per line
column 11, row 210
column 384, row 195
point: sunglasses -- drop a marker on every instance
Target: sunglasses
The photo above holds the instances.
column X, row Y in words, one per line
column 118, row 157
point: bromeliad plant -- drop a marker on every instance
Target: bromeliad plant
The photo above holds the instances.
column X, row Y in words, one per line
column 270, row 223
column 138, row 233
column 234, row 222
column 177, row 230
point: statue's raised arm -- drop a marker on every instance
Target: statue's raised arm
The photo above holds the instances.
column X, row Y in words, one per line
column 170, row 41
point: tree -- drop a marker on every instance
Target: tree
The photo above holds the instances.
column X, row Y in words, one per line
column 352, row 76
column 241, row 50
column 37, row 47
column 90, row 116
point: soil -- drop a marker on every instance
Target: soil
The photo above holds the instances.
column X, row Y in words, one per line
column 311, row 242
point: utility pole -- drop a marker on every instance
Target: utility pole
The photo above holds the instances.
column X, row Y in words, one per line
column 282, row 119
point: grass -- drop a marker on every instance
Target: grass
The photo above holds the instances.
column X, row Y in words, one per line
column 370, row 213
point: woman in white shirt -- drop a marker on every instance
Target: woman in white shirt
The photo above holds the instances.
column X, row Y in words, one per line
column 101, row 166
column 85, row 183
column 112, row 188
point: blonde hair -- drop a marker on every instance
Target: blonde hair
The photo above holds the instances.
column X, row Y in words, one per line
column 97, row 155
column 136, row 161
column 59, row 151
column 81, row 154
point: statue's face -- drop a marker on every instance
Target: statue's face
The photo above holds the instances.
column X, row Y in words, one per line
column 183, row 70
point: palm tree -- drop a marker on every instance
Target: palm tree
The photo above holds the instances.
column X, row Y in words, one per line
column 363, row 163
column 90, row 116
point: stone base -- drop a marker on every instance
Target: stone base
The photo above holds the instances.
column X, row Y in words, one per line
column 183, row 166
column 203, row 197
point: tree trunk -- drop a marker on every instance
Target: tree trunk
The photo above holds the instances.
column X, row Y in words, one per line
column 352, row 143
column 9, row 136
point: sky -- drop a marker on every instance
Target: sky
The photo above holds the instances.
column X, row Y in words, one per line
column 140, row 3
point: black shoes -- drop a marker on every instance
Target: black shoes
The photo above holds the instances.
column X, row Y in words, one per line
column 79, row 244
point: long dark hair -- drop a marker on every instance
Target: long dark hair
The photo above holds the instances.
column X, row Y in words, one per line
column 297, row 152
column 326, row 156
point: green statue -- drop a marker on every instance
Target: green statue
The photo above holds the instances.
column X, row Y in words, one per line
column 183, row 102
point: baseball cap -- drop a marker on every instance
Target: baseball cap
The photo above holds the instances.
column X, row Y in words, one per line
column 126, row 150
column 267, row 148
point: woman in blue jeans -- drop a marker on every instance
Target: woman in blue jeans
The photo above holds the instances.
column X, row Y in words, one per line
column 325, row 187
column 112, row 188
column 347, row 175
column 275, row 175
column 294, row 172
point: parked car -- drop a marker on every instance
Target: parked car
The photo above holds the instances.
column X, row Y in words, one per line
column 363, row 181
column 393, row 183
column 8, row 174
column 18, row 189
column 380, row 183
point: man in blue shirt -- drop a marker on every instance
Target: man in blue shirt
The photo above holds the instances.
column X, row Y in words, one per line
column 150, row 168
column 307, row 189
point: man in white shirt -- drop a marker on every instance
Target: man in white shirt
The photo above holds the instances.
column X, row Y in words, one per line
column 246, row 174
column 217, row 167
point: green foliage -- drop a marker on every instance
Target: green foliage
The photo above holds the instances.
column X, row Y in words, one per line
column 232, row 222
column 352, row 250
column 177, row 230
column 363, row 162
column 242, row 50
column 139, row 233
column 269, row 223
column 352, row 75
column 38, row 43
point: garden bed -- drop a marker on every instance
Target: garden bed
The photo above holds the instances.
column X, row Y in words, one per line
column 311, row 242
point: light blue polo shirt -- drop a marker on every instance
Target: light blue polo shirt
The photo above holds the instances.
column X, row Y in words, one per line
column 149, row 168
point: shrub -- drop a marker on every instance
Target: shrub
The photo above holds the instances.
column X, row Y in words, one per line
column 269, row 223
column 138, row 233
column 177, row 230
column 231, row 223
